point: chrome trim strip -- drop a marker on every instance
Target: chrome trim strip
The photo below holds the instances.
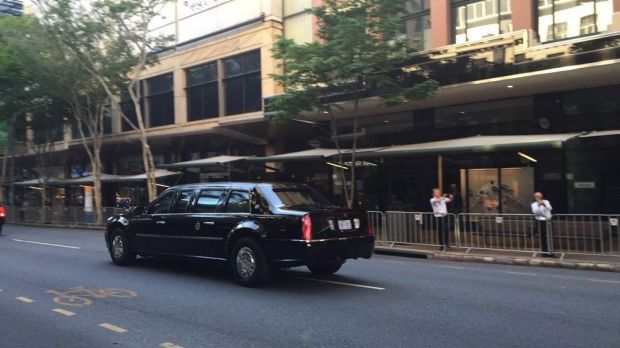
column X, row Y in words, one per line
column 323, row 240
column 178, row 237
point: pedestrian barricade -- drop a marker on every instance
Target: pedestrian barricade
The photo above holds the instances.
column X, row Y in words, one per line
column 585, row 234
column 420, row 228
column 56, row 215
column 515, row 232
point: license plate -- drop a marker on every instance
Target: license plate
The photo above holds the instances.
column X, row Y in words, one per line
column 344, row 225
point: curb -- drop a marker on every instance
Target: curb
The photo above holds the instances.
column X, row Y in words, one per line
column 517, row 261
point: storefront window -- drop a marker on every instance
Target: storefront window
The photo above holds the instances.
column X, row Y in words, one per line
column 161, row 100
column 242, row 84
column 497, row 190
column 202, row 92
column 560, row 19
column 416, row 24
column 476, row 20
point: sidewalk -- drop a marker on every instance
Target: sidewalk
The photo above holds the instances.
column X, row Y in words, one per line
column 570, row 261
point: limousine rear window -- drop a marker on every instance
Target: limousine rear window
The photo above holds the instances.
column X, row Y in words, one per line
column 300, row 198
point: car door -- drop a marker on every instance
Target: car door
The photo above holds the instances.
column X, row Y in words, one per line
column 236, row 209
column 148, row 228
column 204, row 222
column 177, row 228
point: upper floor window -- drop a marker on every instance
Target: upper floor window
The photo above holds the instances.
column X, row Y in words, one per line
column 417, row 24
column 476, row 20
column 560, row 19
column 202, row 92
column 160, row 98
column 242, row 83
column 298, row 21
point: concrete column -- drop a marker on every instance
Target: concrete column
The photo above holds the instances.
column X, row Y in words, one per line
column 441, row 23
column 180, row 97
column 523, row 14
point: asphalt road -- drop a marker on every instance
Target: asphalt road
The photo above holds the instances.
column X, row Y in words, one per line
column 387, row 301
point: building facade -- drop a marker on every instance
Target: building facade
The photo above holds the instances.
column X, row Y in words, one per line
column 547, row 71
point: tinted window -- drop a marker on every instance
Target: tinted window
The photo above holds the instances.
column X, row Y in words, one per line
column 238, row 202
column 299, row 198
column 162, row 205
column 208, row 201
column 182, row 202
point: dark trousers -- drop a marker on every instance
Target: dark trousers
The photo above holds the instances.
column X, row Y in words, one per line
column 441, row 226
column 541, row 226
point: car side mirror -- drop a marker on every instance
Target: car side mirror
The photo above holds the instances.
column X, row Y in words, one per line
column 138, row 211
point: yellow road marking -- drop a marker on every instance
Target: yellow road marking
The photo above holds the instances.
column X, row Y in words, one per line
column 24, row 299
column 169, row 345
column 112, row 328
column 63, row 312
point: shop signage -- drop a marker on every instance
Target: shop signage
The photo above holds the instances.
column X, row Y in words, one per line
column 585, row 184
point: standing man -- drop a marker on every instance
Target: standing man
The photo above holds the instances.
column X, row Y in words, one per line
column 440, row 210
column 541, row 208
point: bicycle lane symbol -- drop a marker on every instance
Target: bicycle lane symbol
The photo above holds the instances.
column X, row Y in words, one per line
column 82, row 297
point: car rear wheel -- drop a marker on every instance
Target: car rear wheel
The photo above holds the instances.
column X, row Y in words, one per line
column 248, row 263
column 120, row 250
column 325, row 267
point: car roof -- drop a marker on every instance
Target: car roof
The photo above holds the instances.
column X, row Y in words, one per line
column 243, row 185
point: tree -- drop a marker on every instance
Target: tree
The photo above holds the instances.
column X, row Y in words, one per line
column 111, row 41
column 360, row 50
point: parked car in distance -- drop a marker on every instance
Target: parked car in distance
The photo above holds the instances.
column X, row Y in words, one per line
column 255, row 227
column 2, row 216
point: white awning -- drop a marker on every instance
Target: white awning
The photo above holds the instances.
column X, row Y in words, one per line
column 482, row 143
column 205, row 162
column 601, row 133
column 312, row 154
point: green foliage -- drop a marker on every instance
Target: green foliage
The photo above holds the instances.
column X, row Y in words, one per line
column 360, row 48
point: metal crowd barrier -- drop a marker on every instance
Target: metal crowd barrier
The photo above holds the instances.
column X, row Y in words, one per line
column 565, row 233
column 56, row 215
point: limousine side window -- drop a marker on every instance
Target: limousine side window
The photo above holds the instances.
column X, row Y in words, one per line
column 162, row 205
column 182, row 202
column 238, row 202
column 208, row 200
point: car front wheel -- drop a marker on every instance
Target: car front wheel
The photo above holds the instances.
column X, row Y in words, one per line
column 120, row 250
column 248, row 263
column 325, row 267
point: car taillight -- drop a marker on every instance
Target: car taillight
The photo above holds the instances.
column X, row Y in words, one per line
column 2, row 211
column 306, row 228
column 371, row 228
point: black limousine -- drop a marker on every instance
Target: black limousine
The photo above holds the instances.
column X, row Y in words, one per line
column 255, row 227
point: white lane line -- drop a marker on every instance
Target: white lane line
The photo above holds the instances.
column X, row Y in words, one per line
column 24, row 299
column 64, row 312
column 604, row 281
column 341, row 283
column 48, row 244
column 521, row 273
column 452, row 267
column 113, row 328
column 169, row 345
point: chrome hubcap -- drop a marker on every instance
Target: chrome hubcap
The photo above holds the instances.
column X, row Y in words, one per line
column 118, row 247
column 246, row 263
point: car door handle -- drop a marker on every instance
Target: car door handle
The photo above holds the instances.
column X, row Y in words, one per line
column 160, row 222
column 209, row 223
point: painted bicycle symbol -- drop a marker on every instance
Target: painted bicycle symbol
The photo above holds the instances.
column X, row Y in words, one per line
column 81, row 297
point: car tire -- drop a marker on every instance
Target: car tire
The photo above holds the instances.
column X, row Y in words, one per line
column 325, row 267
column 248, row 263
column 120, row 248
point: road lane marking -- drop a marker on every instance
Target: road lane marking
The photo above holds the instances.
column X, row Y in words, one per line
column 169, row 345
column 64, row 312
column 521, row 273
column 341, row 283
column 604, row 281
column 24, row 299
column 113, row 328
column 47, row 244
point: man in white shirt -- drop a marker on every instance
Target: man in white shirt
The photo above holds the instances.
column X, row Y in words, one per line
column 440, row 210
column 541, row 208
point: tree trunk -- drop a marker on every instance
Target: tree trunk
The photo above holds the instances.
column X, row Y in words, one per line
column 96, row 165
column 351, row 199
column 3, row 180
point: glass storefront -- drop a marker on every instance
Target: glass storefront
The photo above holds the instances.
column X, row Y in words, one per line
column 561, row 19
column 495, row 190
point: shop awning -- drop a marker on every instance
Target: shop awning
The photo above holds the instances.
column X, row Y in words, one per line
column 205, row 162
column 483, row 143
column 601, row 133
column 312, row 154
column 159, row 173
